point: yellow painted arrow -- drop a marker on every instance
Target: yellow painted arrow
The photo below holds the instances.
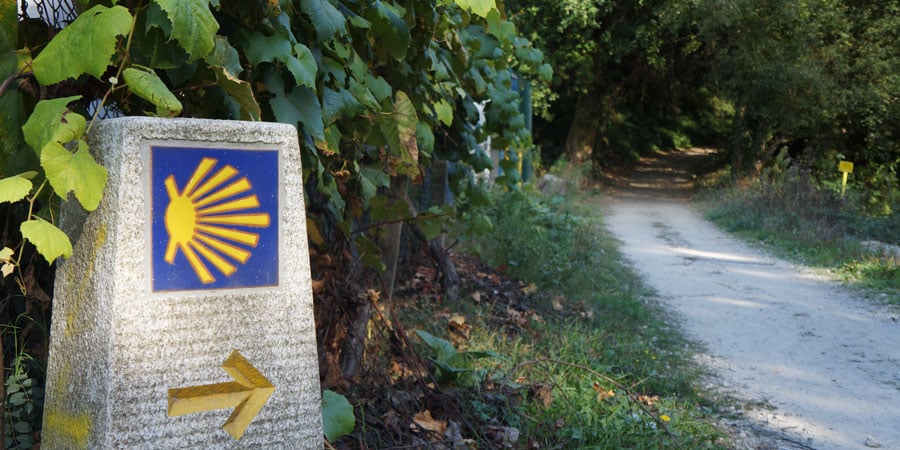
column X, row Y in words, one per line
column 246, row 394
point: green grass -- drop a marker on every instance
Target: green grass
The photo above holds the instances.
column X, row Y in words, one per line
column 591, row 363
column 806, row 223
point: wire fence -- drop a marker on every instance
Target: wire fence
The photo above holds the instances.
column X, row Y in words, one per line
column 57, row 13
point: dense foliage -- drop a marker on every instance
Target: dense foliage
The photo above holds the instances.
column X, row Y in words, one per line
column 625, row 73
column 379, row 90
column 818, row 77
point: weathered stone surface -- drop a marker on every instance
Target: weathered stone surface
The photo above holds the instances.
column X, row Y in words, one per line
column 117, row 347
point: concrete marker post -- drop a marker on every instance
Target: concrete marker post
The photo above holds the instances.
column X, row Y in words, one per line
column 196, row 255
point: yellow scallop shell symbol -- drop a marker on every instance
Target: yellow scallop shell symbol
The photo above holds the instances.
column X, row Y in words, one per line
column 202, row 220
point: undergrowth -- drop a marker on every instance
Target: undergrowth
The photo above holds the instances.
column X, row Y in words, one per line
column 806, row 221
column 551, row 343
column 617, row 369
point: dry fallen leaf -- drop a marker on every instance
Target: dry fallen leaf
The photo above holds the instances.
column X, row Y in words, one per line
column 558, row 303
column 603, row 394
column 648, row 400
column 423, row 420
column 457, row 324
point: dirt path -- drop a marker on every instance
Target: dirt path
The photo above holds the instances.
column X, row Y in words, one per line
column 813, row 366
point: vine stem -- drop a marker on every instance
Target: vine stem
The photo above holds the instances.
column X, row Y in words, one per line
column 112, row 86
column 29, row 217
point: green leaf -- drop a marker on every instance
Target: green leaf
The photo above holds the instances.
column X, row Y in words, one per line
column 76, row 172
column 260, row 48
column 425, row 138
column 22, row 427
column 370, row 253
column 390, row 30
column 15, row 188
column 297, row 58
column 18, row 398
column 240, row 91
column 337, row 415
column 49, row 240
column 301, row 105
column 399, row 131
column 364, row 96
column 87, row 45
column 12, row 159
column 332, row 141
column 8, row 29
column 303, row 66
column 480, row 8
column 380, row 88
column 51, row 121
column 224, row 55
column 444, row 112
column 443, row 349
column 370, row 179
column 545, row 71
column 148, row 86
column 193, row 25
column 337, row 104
column 326, row 19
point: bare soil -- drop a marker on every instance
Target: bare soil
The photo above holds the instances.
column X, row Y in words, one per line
column 808, row 362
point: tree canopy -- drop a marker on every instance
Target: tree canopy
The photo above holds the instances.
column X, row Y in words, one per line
column 818, row 76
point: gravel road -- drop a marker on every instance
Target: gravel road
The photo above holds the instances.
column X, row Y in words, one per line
column 812, row 363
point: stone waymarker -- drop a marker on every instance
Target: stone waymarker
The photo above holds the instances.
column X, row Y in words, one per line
column 184, row 317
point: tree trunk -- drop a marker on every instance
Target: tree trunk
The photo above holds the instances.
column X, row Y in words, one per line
column 389, row 235
column 737, row 149
column 585, row 126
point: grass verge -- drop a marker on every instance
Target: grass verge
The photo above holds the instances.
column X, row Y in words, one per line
column 570, row 355
column 801, row 221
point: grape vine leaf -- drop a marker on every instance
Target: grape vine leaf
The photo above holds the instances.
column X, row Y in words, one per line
column 444, row 112
column 425, row 138
column 399, row 131
column 480, row 8
column 76, row 172
column 390, row 30
column 193, row 25
column 148, row 86
column 261, row 48
column 370, row 179
column 240, row 91
column 51, row 121
column 12, row 160
column 298, row 58
column 226, row 56
column 49, row 240
column 301, row 105
column 326, row 18
column 303, row 66
column 16, row 187
column 86, row 45
column 339, row 103
column 380, row 88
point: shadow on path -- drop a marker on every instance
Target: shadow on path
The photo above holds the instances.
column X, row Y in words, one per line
column 664, row 176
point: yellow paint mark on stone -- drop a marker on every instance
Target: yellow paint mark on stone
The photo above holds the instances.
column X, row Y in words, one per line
column 79, row 286
column 246, row 394
column 63, row 430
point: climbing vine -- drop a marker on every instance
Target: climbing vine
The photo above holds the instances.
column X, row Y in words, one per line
column 378, row 90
